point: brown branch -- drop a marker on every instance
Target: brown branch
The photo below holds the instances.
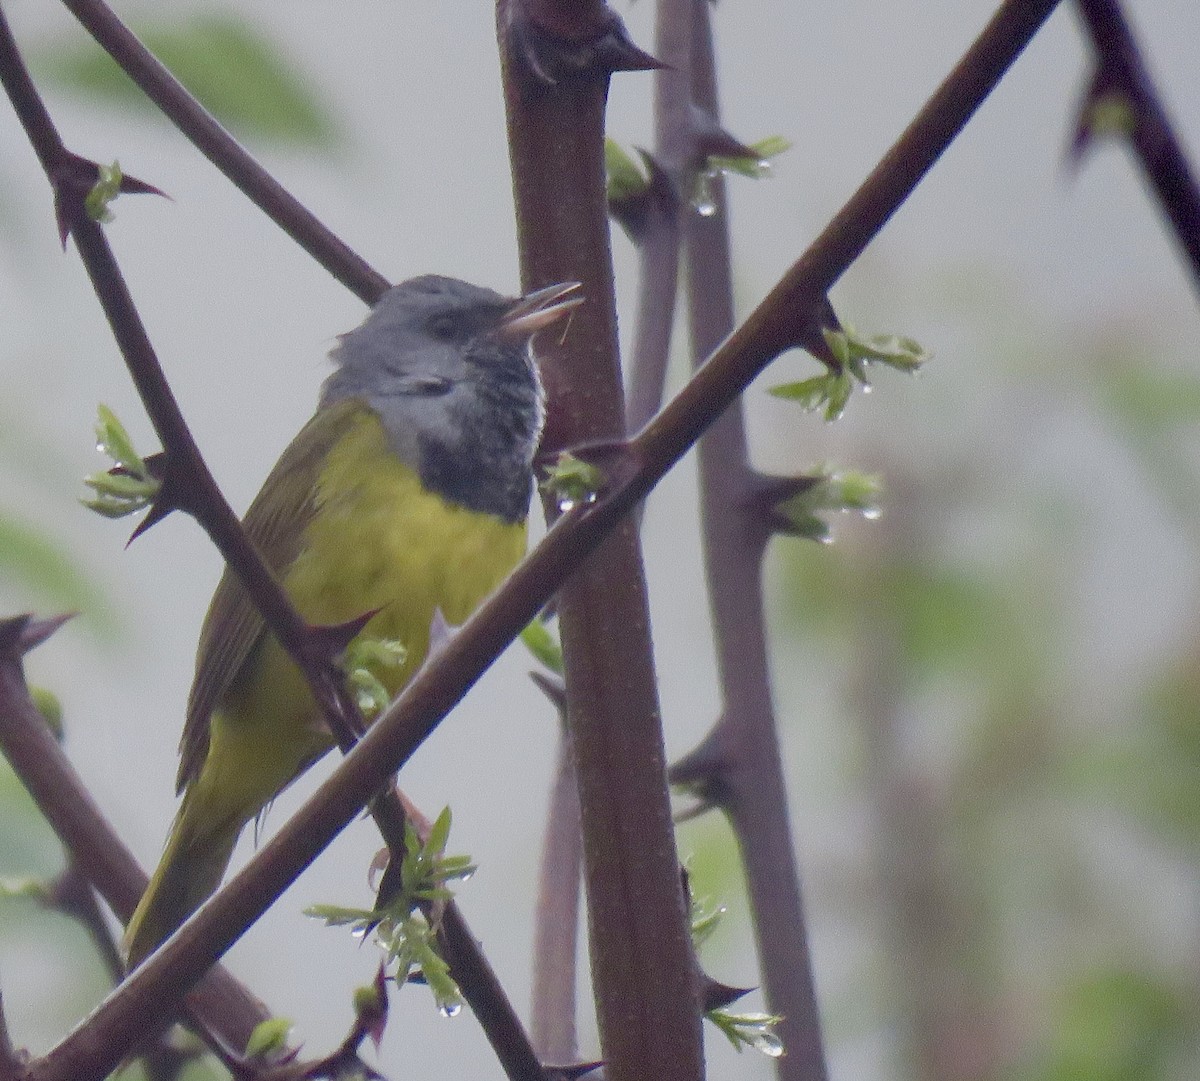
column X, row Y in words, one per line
column 225, row 1010
column 638, row 930
column 1120, row 71
column 752, row 789
column 216, row 144
column 139, row 1004
column 556, row 932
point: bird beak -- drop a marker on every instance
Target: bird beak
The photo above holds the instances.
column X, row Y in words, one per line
column 538, row 309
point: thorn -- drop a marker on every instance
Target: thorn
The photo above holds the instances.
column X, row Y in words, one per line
column 696, row 810
column 1106, row 109
column 581, row 44
column 131, row 185
column 717, row 995
column 553, row 687
column 813, row 342
column 37, row 631
column 570, row 1073
column 21, row 634
column 704, row 770
column 159, row 509
column 333, row 639
column 766, row 493
column 441, row 633
column 73, row 179
column 713, row 141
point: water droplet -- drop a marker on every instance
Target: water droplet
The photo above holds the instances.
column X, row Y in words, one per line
column 769, row 1044
column 763, row 166
column 872, row 514
column 565, row 505
column 450, row 1009
column 825, row 538
column 704, row 202
column 359, row 933
column 467, row 876
column 867, row 388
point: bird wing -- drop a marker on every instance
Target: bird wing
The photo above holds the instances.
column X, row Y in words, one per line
column 275, row 524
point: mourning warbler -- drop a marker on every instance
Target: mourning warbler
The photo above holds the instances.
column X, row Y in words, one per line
column 405, row 495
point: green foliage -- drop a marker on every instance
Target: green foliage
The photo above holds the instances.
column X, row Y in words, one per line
column 127, row 488
column 572, row 481
column 544, row 645
column 48, row 705
column 756, row 166
column 363, row 659
column 1109, row 115
column 269, row 1038
column 837, row 491
column 407, row 927
column 103, row 192
column 741, row 1029
column 625, row 178
column 236, row 72
column 748, row 1030
column 829, row 391
column 704, row 920
column 853, row 354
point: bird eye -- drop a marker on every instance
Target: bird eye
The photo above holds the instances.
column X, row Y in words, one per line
column 425, row 386
column 443, row 327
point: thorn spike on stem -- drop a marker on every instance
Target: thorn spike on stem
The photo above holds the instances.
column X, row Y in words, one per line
column 558, row 42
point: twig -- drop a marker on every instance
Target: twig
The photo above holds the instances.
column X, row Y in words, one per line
column 226, row 1011
column 216, row 144
column 637, row 918
column 1121, row 72
column 746, row 778
column 556, row 939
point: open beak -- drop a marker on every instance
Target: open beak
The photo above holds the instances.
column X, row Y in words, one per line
column 538, row 309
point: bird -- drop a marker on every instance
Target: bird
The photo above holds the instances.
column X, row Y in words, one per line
column 406, row 495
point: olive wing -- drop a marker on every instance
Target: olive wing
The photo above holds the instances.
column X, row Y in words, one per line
column 275, row 524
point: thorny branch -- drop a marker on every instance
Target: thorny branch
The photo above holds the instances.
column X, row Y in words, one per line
column 1121, row 78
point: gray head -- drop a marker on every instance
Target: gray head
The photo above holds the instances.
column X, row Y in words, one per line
column 447, row 367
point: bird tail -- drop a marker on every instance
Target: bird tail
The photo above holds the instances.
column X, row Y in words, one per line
column 197, row 853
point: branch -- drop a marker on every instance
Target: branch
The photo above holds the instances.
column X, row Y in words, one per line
column 638, row 927
column 1121, row 72
column 393, row 738
column 216, row 144
column 225, row 1011
column 749, row 771
column 555, row 945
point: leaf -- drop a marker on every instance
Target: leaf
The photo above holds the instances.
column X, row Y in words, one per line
column 809, row 394
column 625, row 179
column 543, row 645
column 756, row 167
column 237, row 73
column 268, row 1038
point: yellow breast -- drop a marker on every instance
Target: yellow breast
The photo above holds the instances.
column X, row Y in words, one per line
column 378, row 540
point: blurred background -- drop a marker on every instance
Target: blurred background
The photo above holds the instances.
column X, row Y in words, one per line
column 990, row 697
